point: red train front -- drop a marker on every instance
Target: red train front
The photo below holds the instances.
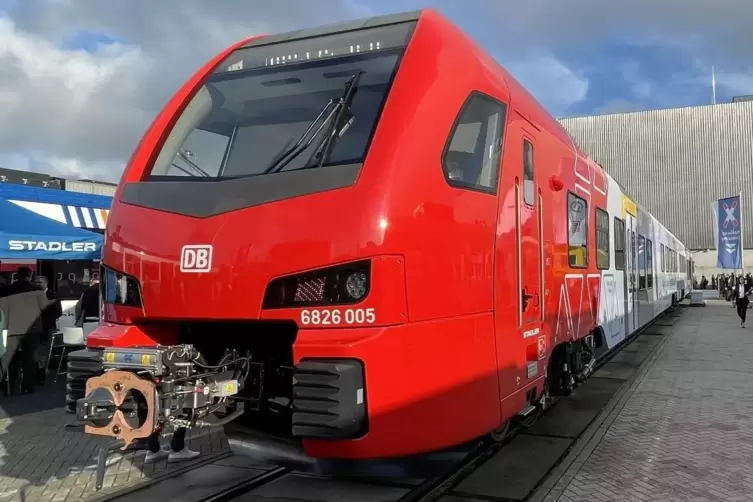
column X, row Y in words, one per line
column 335, row 236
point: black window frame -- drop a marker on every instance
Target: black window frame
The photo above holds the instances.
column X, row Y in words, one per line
column 500, row 138
column 587, row 232
column 649, row 264
column 606, row 239
column 619, row 254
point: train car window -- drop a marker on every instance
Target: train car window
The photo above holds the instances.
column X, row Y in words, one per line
column 602, row 239
column 528, row 178
column 641, row 262
column 577, row 235
column 649, row 263
column 619, row 244
column 472, row 155
column 663, row 258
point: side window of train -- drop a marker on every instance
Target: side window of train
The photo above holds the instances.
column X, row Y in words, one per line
column 472, row 155
column 619, row 244
column 641, row 262
column 529, row 186
column 577, row 231
column 649, row 263
column 602, row 239
column 663, row 258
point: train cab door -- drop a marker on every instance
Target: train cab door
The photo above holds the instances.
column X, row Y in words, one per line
column 631, row 271
column 520, row 274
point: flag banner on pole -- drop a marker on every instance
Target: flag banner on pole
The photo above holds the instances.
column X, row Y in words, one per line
column 728, row 233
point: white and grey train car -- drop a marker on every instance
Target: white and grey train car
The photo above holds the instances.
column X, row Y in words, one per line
column 650, row 271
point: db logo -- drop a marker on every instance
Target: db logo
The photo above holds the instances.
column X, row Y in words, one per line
column 196, row 258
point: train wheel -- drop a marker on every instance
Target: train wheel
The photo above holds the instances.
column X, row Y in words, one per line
column 500, row 433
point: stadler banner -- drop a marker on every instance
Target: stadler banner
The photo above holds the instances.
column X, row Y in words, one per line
column 728, row 233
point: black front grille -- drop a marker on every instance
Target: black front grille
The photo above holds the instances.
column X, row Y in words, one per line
column 329, row 399
column 82, row 365
column 308, row 291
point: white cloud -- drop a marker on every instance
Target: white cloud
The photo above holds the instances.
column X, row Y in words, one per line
column 68, row 104
column 80, row 114
column 550, row 81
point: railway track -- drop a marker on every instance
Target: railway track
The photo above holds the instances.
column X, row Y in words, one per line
column 427, row 481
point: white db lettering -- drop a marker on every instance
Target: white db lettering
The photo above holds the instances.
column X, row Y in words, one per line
column 196, row 258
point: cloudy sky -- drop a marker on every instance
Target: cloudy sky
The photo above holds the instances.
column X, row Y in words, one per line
column 80, row 80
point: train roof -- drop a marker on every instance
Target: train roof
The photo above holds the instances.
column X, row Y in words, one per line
column 533, row 110
column 358, row 24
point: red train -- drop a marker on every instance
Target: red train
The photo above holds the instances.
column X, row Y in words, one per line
column 352, row 238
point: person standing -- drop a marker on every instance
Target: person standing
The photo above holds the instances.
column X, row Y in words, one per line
column 87, row 306
column 740, row 294
column 22, row 304
column 50, row 317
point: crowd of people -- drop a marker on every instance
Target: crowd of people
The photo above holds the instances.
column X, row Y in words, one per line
column 733, row 288
column 724, row 283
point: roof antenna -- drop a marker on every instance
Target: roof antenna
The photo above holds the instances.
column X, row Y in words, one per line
column 713, row 86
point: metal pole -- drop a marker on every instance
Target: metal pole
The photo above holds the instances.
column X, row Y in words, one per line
column 742, row 233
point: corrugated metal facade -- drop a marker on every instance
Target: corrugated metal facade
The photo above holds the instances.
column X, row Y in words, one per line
column 676, row 162
column 91, row 187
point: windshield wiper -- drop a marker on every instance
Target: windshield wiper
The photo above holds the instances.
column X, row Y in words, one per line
column 185, row 157
column 339, row 125
column 343, row 103
column 289, row 154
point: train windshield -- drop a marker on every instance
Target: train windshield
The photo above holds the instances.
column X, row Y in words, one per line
column 285, row 107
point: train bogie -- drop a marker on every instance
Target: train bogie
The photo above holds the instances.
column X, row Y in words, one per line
column 379, row 245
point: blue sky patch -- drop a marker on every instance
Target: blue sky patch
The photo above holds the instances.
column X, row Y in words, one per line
column 87, row 40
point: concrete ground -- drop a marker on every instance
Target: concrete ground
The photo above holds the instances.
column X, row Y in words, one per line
column 668, row 419
column 684, row 430
column 41, row 461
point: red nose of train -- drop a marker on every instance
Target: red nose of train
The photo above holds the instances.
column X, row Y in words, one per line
column 221, row 267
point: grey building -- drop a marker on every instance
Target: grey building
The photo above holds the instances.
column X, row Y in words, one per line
column 91, row 186
column 676, row 162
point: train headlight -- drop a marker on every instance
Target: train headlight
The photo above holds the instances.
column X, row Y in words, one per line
column 117, row 288
column 343, row 284
column 356, row 285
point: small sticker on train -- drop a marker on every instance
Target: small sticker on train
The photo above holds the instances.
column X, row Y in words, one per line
column 542, row 347
column 531, row 332
column 533, row 369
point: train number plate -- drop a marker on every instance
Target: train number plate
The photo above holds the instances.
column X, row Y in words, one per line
column 337, row 317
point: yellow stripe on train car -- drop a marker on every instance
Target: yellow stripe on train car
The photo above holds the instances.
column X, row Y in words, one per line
column 628, row 206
